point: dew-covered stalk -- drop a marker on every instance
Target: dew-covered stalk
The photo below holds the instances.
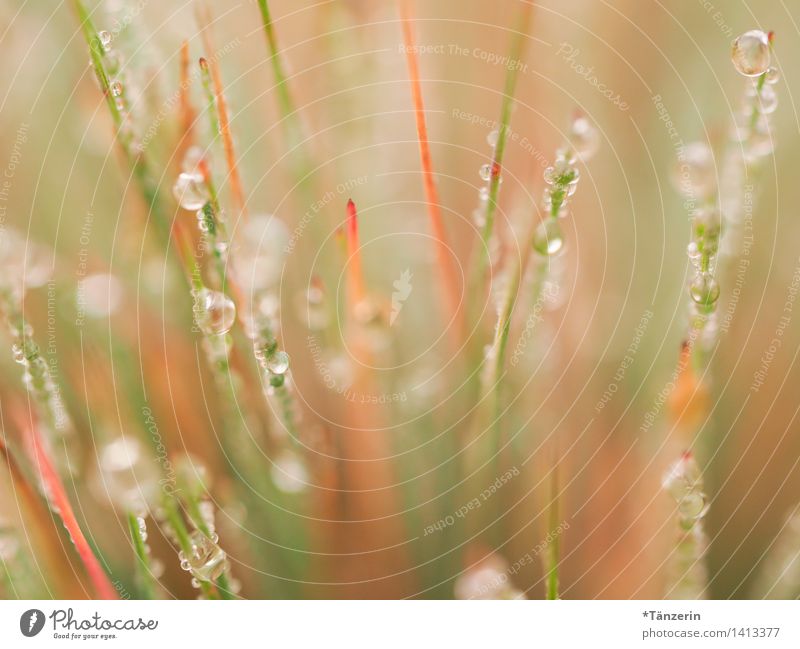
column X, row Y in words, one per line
column 192, row 552
column 107, row 65
column 752, row 140
column 36, row 377
column 138, row 531
column 546, row 240
column 207, row 561
column 195, row 187
column 684, row 483
column 716, row 208
column 493, row 175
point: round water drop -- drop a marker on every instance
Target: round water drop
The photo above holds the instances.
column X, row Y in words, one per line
column 202, row 222
column 18, row 353
column 189, row 190
column 116, row 88
column 548, row 239
column 750, row 53
column 483, row 194
column 215, row 312
column 289, row 473
column 694, row 254
column 140, row 523
column 205, row 560
column 485, row 172
column 105, row 39
column 279, row 363
column 584, row 137
column 693, row 505
column 492, row 138
column 695, row 175
column 704, row 290
column 773, row 76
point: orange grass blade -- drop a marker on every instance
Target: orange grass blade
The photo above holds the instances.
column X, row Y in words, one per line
column 355, row 274
column 449, row 278
column 59, row 503
column 204, row 18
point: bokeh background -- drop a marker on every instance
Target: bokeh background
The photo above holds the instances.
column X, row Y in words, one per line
column 621, row 280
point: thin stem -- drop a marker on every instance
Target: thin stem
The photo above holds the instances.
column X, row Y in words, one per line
column 553, row 548
column 146, row 582
column 222, row 108
column 515, row 54
column 285, row 101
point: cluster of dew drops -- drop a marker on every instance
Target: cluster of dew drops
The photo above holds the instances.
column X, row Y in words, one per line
column 696, row 174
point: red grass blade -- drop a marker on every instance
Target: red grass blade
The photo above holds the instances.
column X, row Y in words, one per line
column 355, row 274
column 59, row 503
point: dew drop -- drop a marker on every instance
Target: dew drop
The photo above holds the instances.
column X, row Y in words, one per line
column 750, row 53
column 693, row 505
column 485, row 172
column 704, row 290
column 206, row 561
column 215, row 312
column 773, row 76
column 18, row 352
column 483, row 194
column 493, row 137
column 279, row 363
column 116, row 88
column 548, row 239
column 189, row 191
column 105, row 40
